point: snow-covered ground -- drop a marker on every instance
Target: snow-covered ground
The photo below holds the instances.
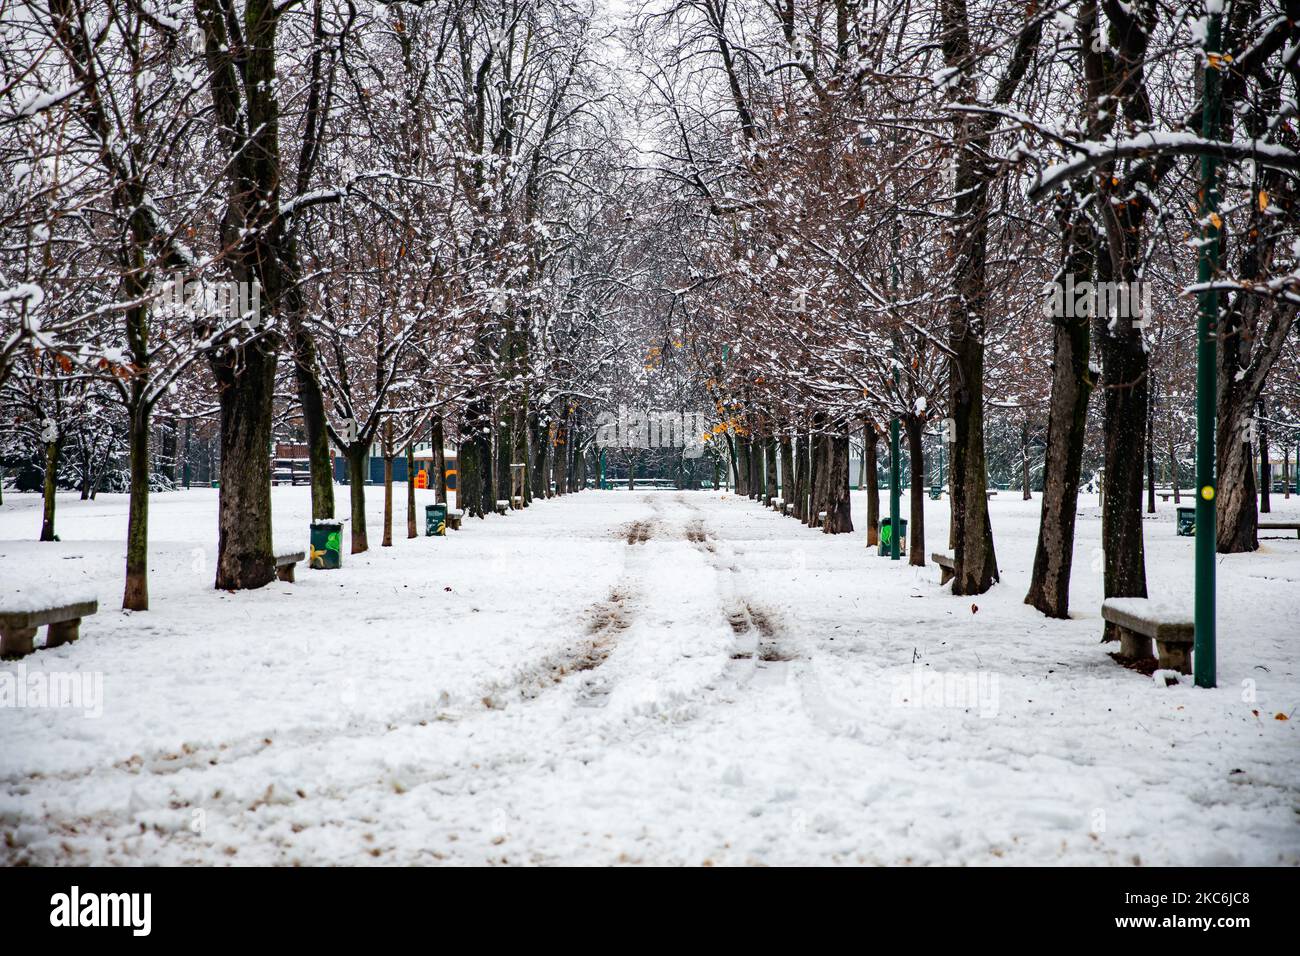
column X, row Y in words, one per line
column 644, row 677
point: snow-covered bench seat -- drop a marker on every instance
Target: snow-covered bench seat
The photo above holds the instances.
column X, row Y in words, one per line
column 1141, row 620
column 453, row 519
column 1280, row 526
column 947, row 566
column 502, row 506
column 20, row 616
column 284, row 564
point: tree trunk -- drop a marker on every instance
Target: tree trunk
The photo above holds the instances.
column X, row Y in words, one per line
column 356, row 455
column 169, row 449
column 246, row 385
column 473, row 478
column 975, row 563
column 756, row 469
column 86, row 456
column 1026, row 494
column 914, row 425
column 802, row 464
column 575, row 458
column 1150, row 445
column 873, row 484
column 135, row 596
column 387, row 541
column 750, row 451
column 50, row 489
column 976, row 566
column 787, row 468
column 538, row 468
column 862, row 462
column 307, row 378
column 1265, row 471
column 1174, row 477
column 1238, row 517
column 412, row 529
column 439, row 463
column 1067, row 425
column 1124, row 380
column 839, row 511
column 769, row 457
column 561, row 459
column 742, row 465
column 820, row 470
column 523, row 435
column 548, row 461
column 505, row 446
column 319, row 462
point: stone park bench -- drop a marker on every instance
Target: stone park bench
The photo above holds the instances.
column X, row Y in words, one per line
column 1141, row 620
column 284, row 564
column 502, row 506
column 1281, row 526
column 947, row 566
column 18, row 625
column 453, row 519
column 777, row 504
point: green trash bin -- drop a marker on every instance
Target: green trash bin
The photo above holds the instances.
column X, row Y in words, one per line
column 1187, row 522
column 435, row 520
column 326, row 544
column 886, row 536
column 935, row 492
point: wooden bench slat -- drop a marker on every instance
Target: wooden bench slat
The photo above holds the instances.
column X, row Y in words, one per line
column 1140, row 620
column 1146, row 617
column 947, row 566
column 285, row 562
column 50, row 615
column 1280, row 526
column 18, row 628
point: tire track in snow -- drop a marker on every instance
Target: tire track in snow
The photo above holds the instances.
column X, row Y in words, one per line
column 749, row 620
column 605, row 621
column 539, row 721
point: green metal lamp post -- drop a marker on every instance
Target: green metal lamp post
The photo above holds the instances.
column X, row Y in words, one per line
column 1207, row 330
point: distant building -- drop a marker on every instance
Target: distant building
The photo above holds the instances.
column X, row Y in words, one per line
column 375, row 465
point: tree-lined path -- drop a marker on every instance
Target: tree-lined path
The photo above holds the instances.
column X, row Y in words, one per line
column 651, row 677
column 710, row 331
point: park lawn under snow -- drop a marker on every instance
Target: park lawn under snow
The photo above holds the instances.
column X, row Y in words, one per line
column 639, row 677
